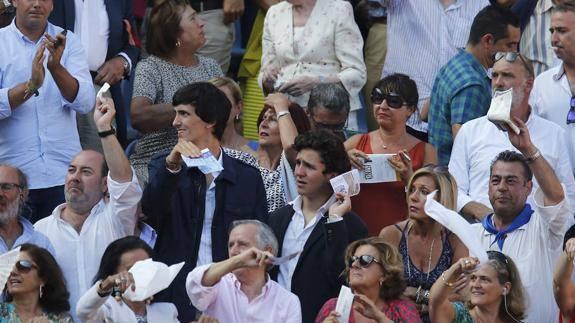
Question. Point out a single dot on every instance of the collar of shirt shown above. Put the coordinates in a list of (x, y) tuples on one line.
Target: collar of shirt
[(216, 174), (60, 208), (15, 29), (296, 204), (475, 64), (27, 226), (543, 6), (560, 73), (265, 288), (517, 224)]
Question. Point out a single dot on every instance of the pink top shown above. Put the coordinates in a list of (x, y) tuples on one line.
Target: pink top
[(398, 310), (228, 303)]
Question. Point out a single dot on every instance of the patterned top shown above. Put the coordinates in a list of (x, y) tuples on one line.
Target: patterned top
[(462, 314), (272, 179), (8, 315), (158, 80), (461, 92), (398, 310)]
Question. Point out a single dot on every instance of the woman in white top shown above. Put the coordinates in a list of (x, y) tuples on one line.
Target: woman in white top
[(99, 305)]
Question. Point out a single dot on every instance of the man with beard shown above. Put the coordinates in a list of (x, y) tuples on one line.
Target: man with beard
[(102, 194), (479, 140), (16, 230)]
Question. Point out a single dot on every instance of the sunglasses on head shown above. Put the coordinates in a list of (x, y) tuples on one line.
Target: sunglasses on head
[(25, 266), (393, 99), (364, 260), (571, 113), (512, 57)]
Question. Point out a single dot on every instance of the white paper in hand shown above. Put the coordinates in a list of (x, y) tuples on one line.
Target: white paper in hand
[(207, 163), (500, 110), (280, 260), (456, 224), (151, 277), (7, 262), (346, 183), (103, 90), (343, 305), (378, 170)]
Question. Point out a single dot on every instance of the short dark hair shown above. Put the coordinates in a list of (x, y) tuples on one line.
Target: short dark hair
[(492, 20), (164, 27), (210, 103), (332, 96), (328, 146), (297, 114), (54, 293), (402, 85), (565, 6), (509, 156), (113, 253)]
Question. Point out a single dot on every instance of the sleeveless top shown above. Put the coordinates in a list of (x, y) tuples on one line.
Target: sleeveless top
[(462, 315), (383, 204)]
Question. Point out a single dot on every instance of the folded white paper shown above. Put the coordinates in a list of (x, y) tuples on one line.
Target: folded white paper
[(500, 110), (456, 224), (377, 169), (150, 277), (7, 262), (280, 260), (346, 183), (343, 305), (207, 163), (103, 90)]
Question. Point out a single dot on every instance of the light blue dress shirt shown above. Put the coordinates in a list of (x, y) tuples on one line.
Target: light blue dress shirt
[(29, 235), (40, 136)]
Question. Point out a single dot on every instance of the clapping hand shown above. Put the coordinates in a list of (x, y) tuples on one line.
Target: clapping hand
[(56, 48), (38, 72)]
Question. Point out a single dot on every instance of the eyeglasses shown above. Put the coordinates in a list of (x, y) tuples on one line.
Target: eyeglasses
[(393, 99), (331, 127), (571, 113), (364, 260), (512, 57), (24, 266), (7, 187)]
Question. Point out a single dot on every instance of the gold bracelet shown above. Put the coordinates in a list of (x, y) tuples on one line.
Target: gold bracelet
[(445, 282)]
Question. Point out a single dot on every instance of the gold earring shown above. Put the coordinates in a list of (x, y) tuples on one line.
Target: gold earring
[(178, 43)]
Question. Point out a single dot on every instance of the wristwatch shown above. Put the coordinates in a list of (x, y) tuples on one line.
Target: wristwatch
[(126, 66), (104, 134)]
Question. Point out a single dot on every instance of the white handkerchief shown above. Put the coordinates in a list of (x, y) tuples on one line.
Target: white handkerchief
[(456, 224), (343, 305), (378, 170), (151, 277), (500, 110), (7, 262), (207, 163), (346, 183)]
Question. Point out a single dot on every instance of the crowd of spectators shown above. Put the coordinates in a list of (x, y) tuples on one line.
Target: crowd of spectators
[(123, 137)]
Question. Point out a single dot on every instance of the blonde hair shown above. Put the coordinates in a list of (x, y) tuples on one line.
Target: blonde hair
[(230, 84), (444, 181)]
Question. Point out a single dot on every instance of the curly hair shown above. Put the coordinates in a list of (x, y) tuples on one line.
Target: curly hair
[(54, 292), (329, 147), (391, 262)]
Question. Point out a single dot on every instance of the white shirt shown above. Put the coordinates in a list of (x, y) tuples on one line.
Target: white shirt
[(534, 248), (205, 250), (550, 99), (479, 141), (79, 254), (296, 236), (92, 308), (228, 303), (93, 26)]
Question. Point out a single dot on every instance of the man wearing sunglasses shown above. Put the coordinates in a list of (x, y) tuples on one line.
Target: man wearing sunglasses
[(328, 108), (15, 229), (479, 140), (553, 96), (462, 91)]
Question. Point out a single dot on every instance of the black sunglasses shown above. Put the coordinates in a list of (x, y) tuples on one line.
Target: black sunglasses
[(571, 113), (512, 57), (364, 260), (24, 266), (393, 99)]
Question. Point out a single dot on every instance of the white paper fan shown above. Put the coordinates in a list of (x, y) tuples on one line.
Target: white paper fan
[(7, 262)]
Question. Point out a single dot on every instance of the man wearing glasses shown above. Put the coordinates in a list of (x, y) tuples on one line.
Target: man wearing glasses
[(472, 153), (328, 108), (553, 96), (15, 229)]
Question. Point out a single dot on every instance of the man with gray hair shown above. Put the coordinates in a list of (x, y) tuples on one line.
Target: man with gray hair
[(239, 289), (15, 229), (328, 108)]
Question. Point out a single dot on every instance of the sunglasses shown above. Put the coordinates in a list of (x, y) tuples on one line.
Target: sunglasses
[(7, 187), (364, 260), (24, 266), (393, 99), (571, 113), (512, 57)]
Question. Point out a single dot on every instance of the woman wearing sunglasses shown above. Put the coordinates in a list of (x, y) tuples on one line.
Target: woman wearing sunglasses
[(427, 248), (375, 274), (496, 292), (104, 302), (36, 290), (394, 100)]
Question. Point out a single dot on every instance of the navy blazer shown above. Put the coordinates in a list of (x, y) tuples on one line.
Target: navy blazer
[(318, 274), (174, 205)]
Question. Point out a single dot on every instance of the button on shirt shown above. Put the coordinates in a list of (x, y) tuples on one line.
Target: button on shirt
[(228, 303), (40, 136), (29, 235), (79, 254), (534, 248), (472, 156), (550, 99), (296, 236)]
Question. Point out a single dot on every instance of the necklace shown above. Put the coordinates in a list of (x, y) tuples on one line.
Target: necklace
[(409, 258), (386, 146)]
